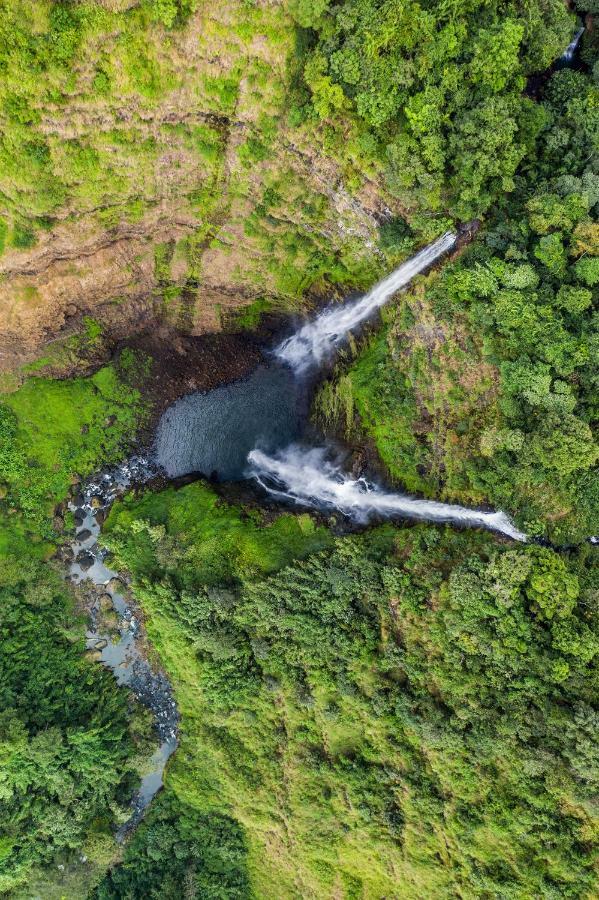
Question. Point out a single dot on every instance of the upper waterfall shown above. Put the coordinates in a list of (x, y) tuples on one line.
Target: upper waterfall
[(316, 340), (568, 54)]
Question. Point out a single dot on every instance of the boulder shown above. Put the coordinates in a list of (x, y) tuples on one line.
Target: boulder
[(85, 560), (115, 586)]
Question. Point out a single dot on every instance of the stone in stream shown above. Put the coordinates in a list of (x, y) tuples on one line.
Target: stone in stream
[(83, 535), (105, 602), (95, 502), (115, 586), (99, 645), (110, 620), (79, 517), (85, 560), (65, 553)]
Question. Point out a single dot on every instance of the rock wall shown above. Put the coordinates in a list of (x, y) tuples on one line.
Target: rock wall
[(174, 187)]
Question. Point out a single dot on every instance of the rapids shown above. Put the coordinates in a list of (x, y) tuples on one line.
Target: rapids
[(123, 651)]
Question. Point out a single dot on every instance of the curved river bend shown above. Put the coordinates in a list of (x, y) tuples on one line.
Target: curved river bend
[(252, 429)]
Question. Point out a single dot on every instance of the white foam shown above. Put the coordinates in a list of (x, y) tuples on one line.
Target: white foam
[(317, 339), (310, 478)]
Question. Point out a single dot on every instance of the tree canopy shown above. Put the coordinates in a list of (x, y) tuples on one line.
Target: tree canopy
[(438, 86)]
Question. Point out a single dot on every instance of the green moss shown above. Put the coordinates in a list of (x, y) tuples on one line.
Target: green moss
[(249, 316), (253, 151), (57, 429), (222, 91), (3, 235), (208, 142), (23, 237)]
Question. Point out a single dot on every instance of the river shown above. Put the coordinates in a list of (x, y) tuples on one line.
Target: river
[(123, 650)]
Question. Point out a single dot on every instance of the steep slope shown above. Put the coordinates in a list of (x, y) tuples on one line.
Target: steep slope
[(148, 171)]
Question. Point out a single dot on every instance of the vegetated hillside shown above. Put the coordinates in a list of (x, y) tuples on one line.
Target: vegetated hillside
[(406, 713), (482, 387), (180, 160), (437, 88)]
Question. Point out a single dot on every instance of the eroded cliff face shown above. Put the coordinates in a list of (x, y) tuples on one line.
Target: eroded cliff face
[(173, 188)]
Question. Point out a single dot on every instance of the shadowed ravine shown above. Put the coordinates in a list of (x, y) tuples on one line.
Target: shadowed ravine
[(257, 428)]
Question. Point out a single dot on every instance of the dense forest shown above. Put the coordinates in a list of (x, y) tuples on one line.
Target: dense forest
[(403, 711), (409, 707), (483, 384), (71, 744)]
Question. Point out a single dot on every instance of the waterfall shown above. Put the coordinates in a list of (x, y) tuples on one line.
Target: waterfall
[(316, 340), (568, 54), (308, 477)]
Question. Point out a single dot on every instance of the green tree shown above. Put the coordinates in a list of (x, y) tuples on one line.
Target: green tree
[(551, 252), (65, 749), (178, 852), (565, 444)]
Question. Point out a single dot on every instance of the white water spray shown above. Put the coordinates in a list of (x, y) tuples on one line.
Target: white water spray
[(310, 478), (568, 54), (316, 340)]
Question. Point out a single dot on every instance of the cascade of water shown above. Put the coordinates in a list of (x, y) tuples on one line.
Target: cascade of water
[(310, 478), (316, 340), (568, 54)]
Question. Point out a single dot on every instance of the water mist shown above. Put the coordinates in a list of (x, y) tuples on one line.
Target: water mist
[(309, 477), (315, 341)]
